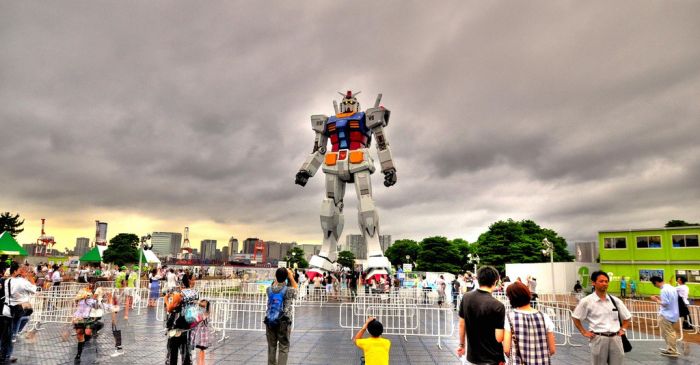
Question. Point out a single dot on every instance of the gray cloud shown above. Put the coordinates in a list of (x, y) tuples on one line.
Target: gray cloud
[(557, 112)]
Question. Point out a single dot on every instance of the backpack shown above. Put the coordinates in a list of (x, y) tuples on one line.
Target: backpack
[(275, 307)]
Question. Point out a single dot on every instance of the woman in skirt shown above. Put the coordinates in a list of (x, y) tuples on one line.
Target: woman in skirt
[(86, 319), (200, 333), (154, 287)]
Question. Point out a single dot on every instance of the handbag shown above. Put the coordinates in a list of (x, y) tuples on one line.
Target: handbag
[(626, 345)]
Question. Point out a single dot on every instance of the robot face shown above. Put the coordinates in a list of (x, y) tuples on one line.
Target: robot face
[(349, 104)]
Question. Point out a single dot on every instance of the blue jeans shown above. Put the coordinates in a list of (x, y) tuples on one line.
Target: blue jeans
[(18, 325)]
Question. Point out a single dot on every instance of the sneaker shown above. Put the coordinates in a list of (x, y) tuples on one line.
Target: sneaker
[(670, 354), (117, 353)]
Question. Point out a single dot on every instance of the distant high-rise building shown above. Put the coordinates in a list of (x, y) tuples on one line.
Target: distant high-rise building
[(218, 255), (225, 254), (310, 250), (233, 245), (208, 249), (586, 251), (82, 246), (166, 243), (276, 251), (355, 243), (249, 245), (101, 233)]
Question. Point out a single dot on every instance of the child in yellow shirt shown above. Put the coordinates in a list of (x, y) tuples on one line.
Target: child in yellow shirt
[(376, 348)]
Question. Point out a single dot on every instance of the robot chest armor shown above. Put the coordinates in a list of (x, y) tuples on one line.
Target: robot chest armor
[(348, 132)]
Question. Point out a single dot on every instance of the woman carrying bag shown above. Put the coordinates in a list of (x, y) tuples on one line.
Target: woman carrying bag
[(529, 333)]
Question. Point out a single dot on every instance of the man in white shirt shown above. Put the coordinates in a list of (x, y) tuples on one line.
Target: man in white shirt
[(56, 276), (171, 279), (603, 317), (683, 292)]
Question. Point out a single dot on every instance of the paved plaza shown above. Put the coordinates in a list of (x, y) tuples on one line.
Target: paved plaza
[(316, 339)]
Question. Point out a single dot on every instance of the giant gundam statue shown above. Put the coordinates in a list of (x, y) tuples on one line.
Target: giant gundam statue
[(350, 132)]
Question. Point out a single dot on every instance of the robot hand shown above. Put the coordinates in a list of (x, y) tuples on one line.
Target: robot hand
[(389, 177), (302, 177)]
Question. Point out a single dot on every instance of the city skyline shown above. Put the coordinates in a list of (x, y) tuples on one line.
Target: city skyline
[(153, 117)]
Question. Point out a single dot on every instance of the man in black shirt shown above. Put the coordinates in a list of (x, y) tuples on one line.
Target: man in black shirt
[(481, 318)]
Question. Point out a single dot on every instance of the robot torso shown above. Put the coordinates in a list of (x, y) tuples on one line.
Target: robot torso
[(348, 131)]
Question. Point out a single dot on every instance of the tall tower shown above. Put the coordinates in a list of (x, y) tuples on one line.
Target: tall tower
[(186, 250), (43, 242)]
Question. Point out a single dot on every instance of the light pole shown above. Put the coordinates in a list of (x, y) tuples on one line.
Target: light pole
[(143, 246), (549, 251), (474, 259)]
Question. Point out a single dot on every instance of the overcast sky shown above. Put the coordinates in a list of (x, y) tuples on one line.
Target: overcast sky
[(155, 115)]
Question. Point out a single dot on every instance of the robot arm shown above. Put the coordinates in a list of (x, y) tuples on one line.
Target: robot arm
[(377, 119), (315, 159)]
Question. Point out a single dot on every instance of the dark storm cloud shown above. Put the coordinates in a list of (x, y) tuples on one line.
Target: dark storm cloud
[(547, 111)]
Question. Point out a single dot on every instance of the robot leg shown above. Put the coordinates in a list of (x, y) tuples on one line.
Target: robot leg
[(332, 225), (377, 264)]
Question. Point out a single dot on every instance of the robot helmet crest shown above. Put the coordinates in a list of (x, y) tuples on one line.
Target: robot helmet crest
[(349, 104)]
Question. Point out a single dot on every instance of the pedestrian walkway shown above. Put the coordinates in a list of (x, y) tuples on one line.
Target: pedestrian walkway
[(316, 340)]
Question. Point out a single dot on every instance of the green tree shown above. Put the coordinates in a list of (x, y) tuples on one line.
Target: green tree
[(122, 249), (680, 223), (518, 242), (346, 259), (296, 256), (11, 223), (464, 248), (397, 252), (438, 254)]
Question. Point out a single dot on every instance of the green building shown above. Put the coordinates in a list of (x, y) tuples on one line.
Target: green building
[(638, 254)]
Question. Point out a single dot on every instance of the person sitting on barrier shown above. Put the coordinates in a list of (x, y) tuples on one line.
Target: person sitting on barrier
[(278, 317), (528, 333), (376, 348), (603, 312), (577, 287), (481, 319), (86, 319)]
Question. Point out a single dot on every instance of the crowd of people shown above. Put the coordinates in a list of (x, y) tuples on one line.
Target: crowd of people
[(523, 335)]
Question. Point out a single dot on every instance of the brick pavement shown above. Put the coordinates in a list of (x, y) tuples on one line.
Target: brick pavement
[(314, 341)]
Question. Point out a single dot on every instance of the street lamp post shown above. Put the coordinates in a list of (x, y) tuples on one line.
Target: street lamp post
[(549, 251), (475, 260), (143, 246)]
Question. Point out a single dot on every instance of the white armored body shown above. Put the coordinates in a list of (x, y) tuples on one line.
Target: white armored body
[(350, 132)]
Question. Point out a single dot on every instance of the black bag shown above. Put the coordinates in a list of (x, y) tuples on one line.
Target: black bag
[(626, 345), (682, 308), (117, 336)]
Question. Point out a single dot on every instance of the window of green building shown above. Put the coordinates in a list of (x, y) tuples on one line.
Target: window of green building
[(646, 274), (615, 243), (692, 276), (649, 242), (685, 240)]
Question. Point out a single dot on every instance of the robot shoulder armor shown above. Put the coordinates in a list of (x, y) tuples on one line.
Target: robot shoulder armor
[(318, 122), (376, 117)]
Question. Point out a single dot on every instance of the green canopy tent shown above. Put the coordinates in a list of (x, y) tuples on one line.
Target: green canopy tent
[(94, 255), (149, 257), (10, 247)]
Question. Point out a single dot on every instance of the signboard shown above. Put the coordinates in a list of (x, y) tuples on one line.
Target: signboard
[(281, 264), (407, 267)]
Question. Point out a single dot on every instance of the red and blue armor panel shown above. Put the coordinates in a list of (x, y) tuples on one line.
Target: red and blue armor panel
[(348, 131)]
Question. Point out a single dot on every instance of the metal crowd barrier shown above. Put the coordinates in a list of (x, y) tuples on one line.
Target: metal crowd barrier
[(400, 319)]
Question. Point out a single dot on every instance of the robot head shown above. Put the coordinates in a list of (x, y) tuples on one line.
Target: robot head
[(349, 104)]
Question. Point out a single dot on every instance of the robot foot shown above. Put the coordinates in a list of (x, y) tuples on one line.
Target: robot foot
[(377, 266), (318, 265)]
